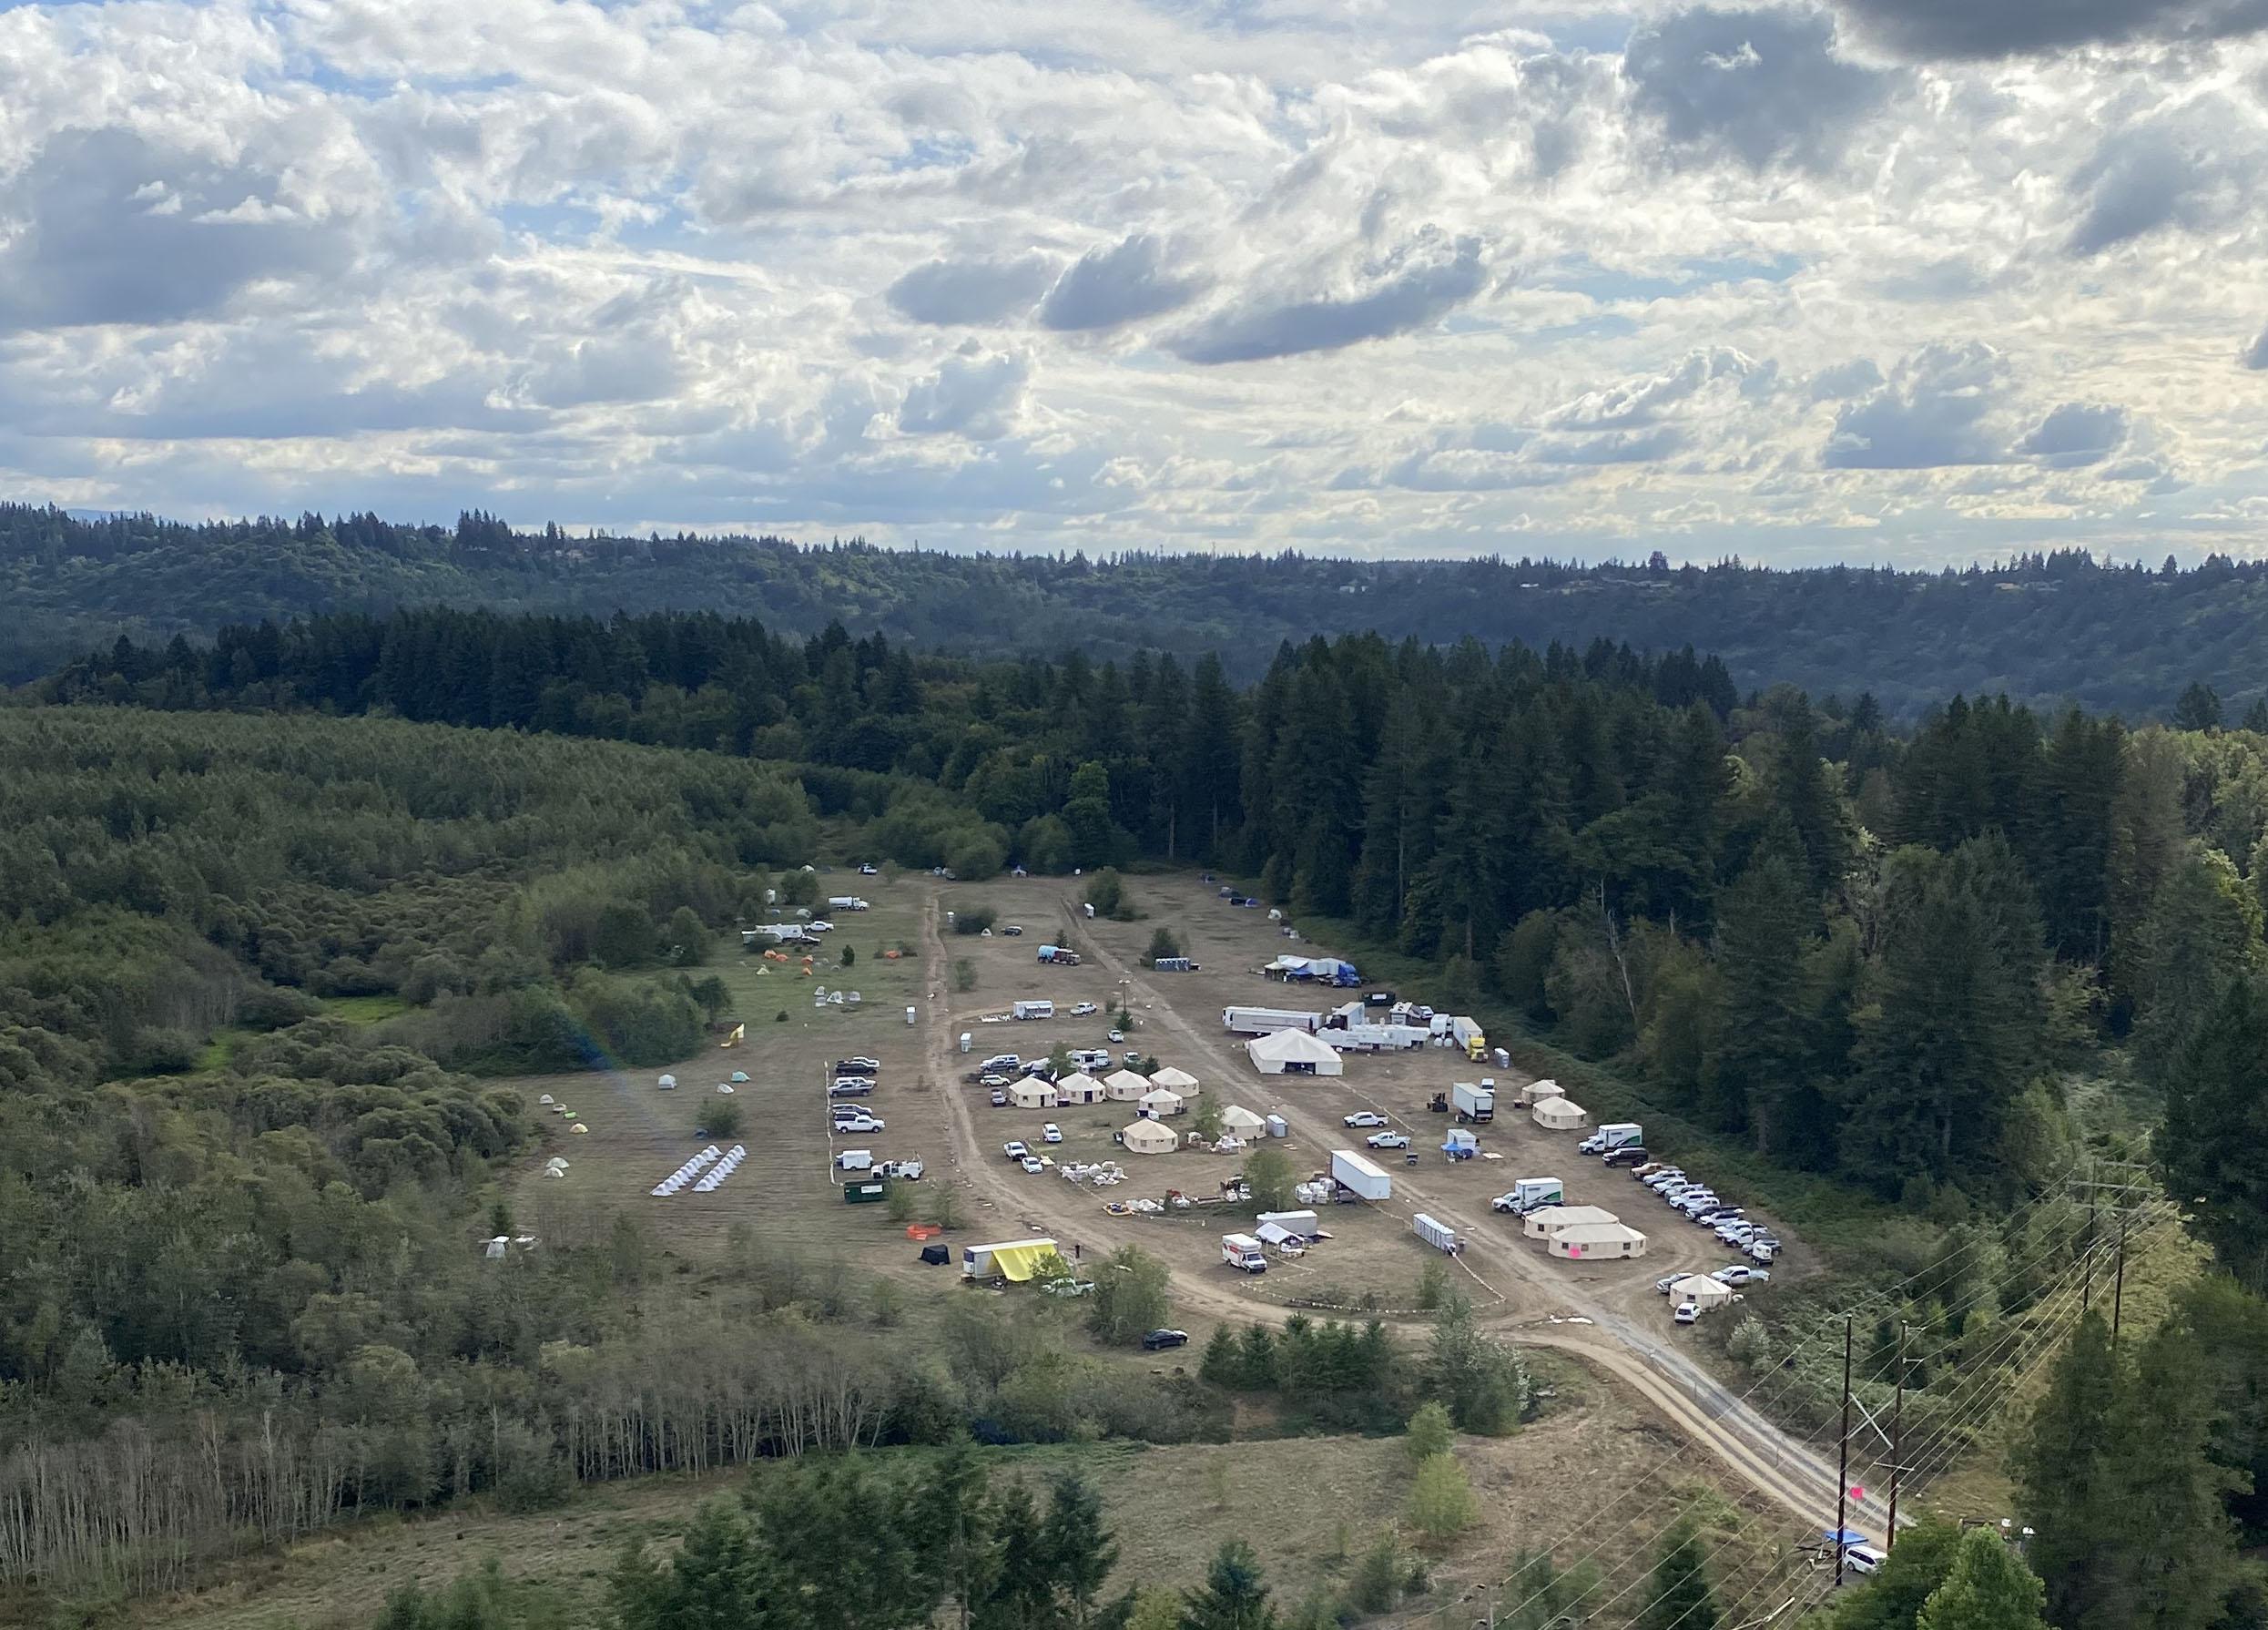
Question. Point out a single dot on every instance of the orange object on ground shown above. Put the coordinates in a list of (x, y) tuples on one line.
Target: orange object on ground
[(922, 1231)]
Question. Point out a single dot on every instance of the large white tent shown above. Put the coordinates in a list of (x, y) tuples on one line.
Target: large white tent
[(1158, 1101), (1125, 1085), (1032, 1092), (1180, 1081), (1701, 1291), (1292, 1053), (1559, 1114), (1597, 1240), (1543, 1223), (1236, 1118), (1147, 1137)]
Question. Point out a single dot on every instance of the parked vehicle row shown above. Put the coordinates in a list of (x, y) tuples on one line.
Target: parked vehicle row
[(1696, 1201)]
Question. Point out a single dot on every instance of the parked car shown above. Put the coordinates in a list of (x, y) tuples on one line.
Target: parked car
[(1665, 1281), (992, 1078), (1388, 1140), (1080, 1010), (1863, 1559), (1647, 1169), (1132, 1056), (1740, 1273), (1002, 1061), (1051, 1133), (1693, 1205), (1629, 1156), (910, 1170), (1000, 1097), (1032, 1164), (857, 1067), (1159, 1341), (1365, 1117), (1687, 1313), (850, 1086), (1764, 1250), (844, 1129), (1015, 1150), (869, 869), (1013, 930), (1117, 1035), (1711, 1216), (1662, 1180), (1068, 1287), (1736, 1232)]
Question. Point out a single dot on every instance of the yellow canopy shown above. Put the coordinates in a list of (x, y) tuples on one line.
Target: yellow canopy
[(738, 1030), (1018, 1262)]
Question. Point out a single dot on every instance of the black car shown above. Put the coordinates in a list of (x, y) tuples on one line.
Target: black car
[(1629, 1155), (1158, 1340)]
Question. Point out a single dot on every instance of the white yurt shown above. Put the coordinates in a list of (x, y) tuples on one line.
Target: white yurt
[(1158, 1101), (1700, 1290), (1173, 1080), (1548, 1220), (1147, 1137), (1535, 1092), (1596, 1240), (1559, 1114), (1125, 1085), (1079, 1087), (666, 1082), (1236, 1118), (1032, 1092)]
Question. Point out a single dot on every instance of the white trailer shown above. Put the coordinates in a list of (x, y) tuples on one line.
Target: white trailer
[(1033, 1010), (1473, 1102), (1439, 1236), (1241, 1252), (846, 902), (1268, 1021), (1374, 1038), (1363, 1178)]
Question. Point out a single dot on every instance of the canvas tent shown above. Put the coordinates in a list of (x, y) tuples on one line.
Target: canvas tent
[(1700, 1290), (1596, 1240), (1292, 1053), (1236, 1118), (1158, 1101), (1559, 1114), (1548, 1220), (1536, 1091), (1147, 1137), (1079, 1087), (1125, 1085), (1180, 1081), (1032, 1092)]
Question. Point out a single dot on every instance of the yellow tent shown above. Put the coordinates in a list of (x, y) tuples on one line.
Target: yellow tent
[(1018, 1262), (738, 1032)]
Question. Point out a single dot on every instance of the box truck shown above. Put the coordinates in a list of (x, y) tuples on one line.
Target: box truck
[(1242, 1251), (1365, 1179), (1268, 1021), (1033, 1010), (1060, 956), (846, 902), (1473, 1102), (1530, 1194), (1439, 1236), (1617, 1135)]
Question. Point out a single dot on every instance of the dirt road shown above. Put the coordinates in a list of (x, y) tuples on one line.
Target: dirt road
[(1694, 1402)]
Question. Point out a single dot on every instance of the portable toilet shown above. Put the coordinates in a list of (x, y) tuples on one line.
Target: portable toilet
[(1278, 1126), (909, 1018), (967, 1041)]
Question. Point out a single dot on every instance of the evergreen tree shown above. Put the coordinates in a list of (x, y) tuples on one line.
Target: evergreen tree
[(1988, 1588), (1235, 1595), (2199, 708), (1892, 1597), (2071, 1486), (1081, 1552), (1679, 1595), (2216, 1119), (1764, 921)]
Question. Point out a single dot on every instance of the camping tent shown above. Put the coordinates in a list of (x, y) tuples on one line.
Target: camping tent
[(1597, 1240), (935, 1254), (1032, 1092), (1180, 1081), (1700, 1290), (1079, 1087), (1158, 1101), (1125, 1085), (1548, 1220), (1559, 1114), (1147, 1137), (1536, 1091), (1236, 1118), (1292, 1053)]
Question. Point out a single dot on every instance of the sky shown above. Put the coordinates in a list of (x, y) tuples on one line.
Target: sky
[(1890, 281)]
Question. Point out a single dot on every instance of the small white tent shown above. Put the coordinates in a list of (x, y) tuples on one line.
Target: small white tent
[(1158, 1101), (1559, 1114), (1125, 1085), (1180, 1081), (1292, 1053), (1537, 1091), (1147, 1137), (1032, 1092), (1700, 1290), (1079, 1087), (1236, 1118)]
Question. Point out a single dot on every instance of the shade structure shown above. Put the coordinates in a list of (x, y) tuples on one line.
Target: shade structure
[(1292, 1053), (1147, 1137), (1180, 1081), (1127, 1086), (1559, 1114), (1158, 1101), (1236, 1118)]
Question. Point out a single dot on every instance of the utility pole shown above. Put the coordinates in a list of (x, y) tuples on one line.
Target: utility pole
[(1842, 1457), (1897, 1438), (2118, 1284), (2087, 1265)]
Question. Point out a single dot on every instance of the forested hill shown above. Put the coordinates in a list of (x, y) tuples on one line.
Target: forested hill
[(2043, 629)]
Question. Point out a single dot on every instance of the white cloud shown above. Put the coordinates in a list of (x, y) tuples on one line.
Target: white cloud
[(1757, 278)]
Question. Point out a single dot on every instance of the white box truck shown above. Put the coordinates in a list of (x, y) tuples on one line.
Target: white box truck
[(1439, 1236), (1242, 1251), (1616, 1134), (1473, 1102), (1033, 1010), (1530, 1194), (1268, 1021), (846, 902), (1364, 1179)]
